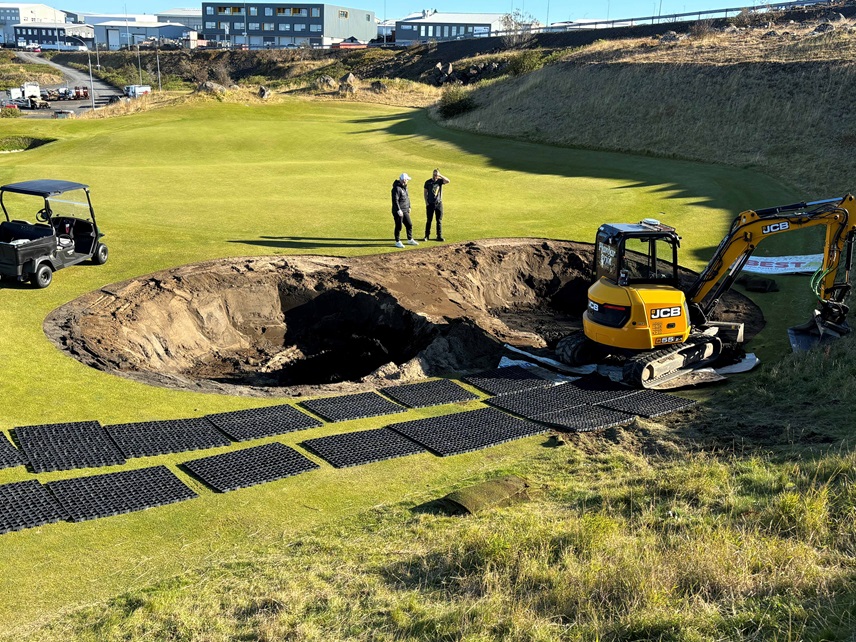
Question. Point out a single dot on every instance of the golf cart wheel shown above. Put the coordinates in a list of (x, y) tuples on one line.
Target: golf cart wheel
[(42, 277), (100, 256)]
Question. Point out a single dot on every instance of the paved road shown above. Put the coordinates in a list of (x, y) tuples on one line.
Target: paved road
[(73, 78)]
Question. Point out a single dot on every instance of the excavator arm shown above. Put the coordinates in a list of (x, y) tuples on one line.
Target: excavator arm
[(752, 227)]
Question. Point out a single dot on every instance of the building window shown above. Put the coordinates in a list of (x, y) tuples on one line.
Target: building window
[(430, 31), (268, 26), (284, 27), (469, 29), (315, 12), (300, 27), (282, 11), (445, 31), (254, 11), (223, 26), (254, 26), (239, 26), (343, 14), (368, 17), (300, 13), (314, 27), (209, 11), (210, 25), (268, 11), (422, 31)]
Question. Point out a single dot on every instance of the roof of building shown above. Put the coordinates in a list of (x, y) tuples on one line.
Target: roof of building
[(70, 26), (455, 18), (138, 24), (189, 13)]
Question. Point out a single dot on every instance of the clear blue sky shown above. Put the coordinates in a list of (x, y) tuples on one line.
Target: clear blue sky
[(558, 9)]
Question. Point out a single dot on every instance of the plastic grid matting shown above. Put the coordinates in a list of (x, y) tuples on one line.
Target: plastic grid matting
[(428, 393), (363, 447), (248, 467), (538, 401), (65, 446), (597, 389), (649, 403), (9, 455), (116, 493), (503, 381), (585, 418), (27, 504), (466, 431), (346, 407), (255, 423), (149, 438)]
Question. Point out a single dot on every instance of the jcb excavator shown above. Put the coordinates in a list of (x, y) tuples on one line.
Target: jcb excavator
[(636, 309)]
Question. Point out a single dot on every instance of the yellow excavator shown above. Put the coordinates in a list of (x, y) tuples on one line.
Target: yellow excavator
[(637, 310)]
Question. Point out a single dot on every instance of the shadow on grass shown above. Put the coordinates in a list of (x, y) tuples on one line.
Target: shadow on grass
[(313, 243)]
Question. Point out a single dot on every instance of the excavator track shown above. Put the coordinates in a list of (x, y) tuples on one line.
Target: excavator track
[(650, 369)]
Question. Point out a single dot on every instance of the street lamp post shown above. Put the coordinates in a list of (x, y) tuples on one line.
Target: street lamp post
[(89, 57)]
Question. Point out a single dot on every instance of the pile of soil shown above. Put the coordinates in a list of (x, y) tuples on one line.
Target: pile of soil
[(289, 326)]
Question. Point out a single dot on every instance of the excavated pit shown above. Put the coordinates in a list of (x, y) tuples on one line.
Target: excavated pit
[(295, 325)]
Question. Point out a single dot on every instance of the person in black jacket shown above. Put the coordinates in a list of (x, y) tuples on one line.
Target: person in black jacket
[(401, 210), (434, 203)]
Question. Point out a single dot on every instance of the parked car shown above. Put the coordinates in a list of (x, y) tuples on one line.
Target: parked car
[(34, 251)]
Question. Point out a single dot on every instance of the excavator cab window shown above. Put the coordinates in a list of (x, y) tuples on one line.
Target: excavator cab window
[(627, 257)]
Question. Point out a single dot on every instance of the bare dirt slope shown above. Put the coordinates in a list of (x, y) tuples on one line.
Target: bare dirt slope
[(293, 325)]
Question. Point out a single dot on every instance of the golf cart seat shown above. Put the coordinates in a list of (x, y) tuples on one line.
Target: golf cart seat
[(18, 230)]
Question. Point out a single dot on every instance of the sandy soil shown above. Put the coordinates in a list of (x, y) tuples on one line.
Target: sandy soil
[(289, 326)]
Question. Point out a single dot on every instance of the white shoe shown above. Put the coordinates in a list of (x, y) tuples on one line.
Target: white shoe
[(399, 244), (412, 242)]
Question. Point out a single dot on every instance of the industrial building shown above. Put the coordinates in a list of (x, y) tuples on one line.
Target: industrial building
[(434, 25), (274, 25), (24, 14)]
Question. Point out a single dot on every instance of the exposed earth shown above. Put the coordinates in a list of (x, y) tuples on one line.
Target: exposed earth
[(288, 326)]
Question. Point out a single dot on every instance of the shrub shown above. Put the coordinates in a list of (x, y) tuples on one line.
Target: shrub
[(524, 62), (456, 101), (9, 112)]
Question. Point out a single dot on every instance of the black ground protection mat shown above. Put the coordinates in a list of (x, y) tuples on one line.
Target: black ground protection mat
[(598, 389), (363, 447), (649, 403), (149, 438), (116, 493), (538, 401), (9, 455), (249, 466), (255, 423), (585, 418), (503, 381), (82, 444), (345, 407), (428, 393), (466, 431), (27, 504)]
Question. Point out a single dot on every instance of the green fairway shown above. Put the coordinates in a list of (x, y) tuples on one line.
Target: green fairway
[(211, 180)]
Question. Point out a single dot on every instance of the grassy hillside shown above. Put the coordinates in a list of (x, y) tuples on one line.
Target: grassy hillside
[(776, 104)]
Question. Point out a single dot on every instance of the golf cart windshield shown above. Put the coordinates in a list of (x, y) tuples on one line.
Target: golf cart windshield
[(58, 198)]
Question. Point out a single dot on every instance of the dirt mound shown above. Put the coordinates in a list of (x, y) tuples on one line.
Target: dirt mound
[(288, 326)]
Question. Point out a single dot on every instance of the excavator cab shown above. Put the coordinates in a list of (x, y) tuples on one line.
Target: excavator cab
[(634, 303)]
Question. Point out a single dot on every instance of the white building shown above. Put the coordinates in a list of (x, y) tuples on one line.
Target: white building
[(115, 34), (191, 18), (434, 25), (24, 13)]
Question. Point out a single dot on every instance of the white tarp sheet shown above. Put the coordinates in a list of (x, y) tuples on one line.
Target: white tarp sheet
[(784, 264)]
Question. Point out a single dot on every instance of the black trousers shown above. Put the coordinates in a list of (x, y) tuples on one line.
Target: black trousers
[(408, 225), (430, 212)]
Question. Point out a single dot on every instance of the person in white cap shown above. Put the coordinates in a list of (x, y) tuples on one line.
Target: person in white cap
[(401, 210)]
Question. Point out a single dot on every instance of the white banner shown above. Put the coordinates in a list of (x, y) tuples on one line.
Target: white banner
[(784, 264)]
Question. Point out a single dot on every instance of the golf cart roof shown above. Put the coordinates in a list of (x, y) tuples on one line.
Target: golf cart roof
[(43, 188)]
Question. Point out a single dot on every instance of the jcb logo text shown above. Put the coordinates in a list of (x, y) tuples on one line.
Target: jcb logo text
[(775, 227), (665, 313), (594, 307)]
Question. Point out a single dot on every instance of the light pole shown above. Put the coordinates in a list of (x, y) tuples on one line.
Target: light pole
[(89, 57)]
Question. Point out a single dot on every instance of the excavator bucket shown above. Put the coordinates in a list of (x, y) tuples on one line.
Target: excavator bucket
[(815, 332)]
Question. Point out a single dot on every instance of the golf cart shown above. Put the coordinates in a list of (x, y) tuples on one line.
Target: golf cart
[(34, 251)]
